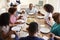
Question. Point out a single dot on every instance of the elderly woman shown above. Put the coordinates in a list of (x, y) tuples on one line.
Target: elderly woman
[(56, 27)]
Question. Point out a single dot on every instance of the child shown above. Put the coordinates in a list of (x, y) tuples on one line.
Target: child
[(49, 9)]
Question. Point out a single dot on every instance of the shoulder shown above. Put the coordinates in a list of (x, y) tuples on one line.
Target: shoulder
[(34, 9), (29, 38), (27, 8), (39, 38), (57, 25), (22, 38), (12, 16)]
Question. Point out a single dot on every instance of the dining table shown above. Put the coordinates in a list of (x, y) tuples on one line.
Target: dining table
[(43, 29)]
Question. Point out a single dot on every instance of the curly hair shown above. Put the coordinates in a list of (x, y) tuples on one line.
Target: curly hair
[(49, 8)]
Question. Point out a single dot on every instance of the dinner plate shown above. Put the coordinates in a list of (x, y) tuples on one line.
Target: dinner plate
[(16, 28), (23, 34), (30, 13), (21, 21), (44, 30), (40, 16), (42, 25)]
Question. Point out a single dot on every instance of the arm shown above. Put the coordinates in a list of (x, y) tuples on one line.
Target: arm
[(57, 37), (54, 36), (40, 13)]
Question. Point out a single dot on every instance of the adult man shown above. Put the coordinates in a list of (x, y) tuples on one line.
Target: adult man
[(31, 9)]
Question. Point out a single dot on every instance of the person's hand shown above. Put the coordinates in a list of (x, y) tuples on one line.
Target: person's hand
[(52, 35), (47, 24), (49, 18)]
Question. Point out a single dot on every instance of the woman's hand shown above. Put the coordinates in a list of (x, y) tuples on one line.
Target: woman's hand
[(57, 37), (54, 36)]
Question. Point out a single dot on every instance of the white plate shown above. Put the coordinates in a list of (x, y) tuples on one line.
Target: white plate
[(30, 13), (16, 28), (21, 21), (42, 25), (23, 34), (40, 16), (44, 30)]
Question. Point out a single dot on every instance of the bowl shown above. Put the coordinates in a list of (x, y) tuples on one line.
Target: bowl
[(30, 13), (16, 28), (44, 30), (40, 16)]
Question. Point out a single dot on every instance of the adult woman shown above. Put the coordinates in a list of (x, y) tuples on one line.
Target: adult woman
[(56, 27)]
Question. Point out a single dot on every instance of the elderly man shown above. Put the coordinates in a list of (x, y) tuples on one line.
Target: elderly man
[(31, 9)]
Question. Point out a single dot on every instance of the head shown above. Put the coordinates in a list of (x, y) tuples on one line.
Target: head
[(33, 28), (12, 10), (4, 19), (23, 12), (48, 8), (56, 17), (15, 6), (30, 6)]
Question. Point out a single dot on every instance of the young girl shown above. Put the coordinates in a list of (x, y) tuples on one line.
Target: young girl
[(49, 9), (13, 18)]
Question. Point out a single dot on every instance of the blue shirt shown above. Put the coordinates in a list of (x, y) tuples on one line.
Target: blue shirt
[(30, 38)]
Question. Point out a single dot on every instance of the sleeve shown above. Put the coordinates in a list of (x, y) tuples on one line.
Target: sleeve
[(26, 10), (47, 19), (36, 10), (12, 19), (58, 31)]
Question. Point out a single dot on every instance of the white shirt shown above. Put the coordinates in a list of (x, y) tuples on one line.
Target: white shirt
[(34, 10), (47, 15), (24, 16)]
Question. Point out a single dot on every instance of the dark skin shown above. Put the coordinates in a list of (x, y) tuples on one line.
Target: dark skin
[(40, 14), (30, 6)]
